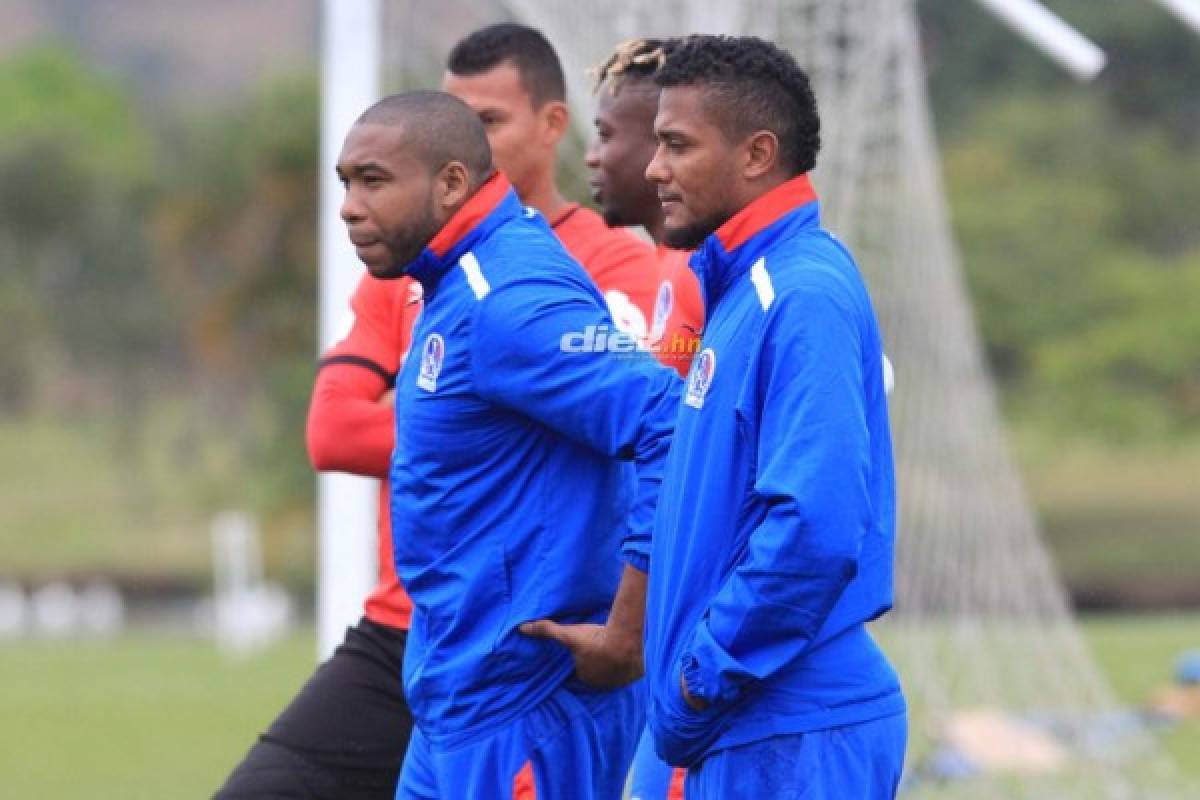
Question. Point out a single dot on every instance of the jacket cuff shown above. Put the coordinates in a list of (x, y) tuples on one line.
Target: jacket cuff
[(636, 559), (707, 668)]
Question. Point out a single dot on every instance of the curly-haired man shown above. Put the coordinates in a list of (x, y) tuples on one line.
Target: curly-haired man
[(774, 536)]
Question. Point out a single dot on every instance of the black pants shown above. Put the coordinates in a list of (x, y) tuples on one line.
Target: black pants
[(343, 736)]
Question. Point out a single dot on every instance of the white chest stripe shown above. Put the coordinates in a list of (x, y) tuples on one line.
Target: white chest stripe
[(475, 279), (762, 283)]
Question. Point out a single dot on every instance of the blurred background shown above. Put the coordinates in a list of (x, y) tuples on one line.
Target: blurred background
[(158, 207)]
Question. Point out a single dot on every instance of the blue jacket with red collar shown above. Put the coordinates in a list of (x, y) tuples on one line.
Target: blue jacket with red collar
[(773, 542), (527, 463)]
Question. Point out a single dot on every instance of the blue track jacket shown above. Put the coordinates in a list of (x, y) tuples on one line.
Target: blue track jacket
[(773, 542), (527, 464)]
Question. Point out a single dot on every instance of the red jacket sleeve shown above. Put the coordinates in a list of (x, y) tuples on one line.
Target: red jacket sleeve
[(349, 430)]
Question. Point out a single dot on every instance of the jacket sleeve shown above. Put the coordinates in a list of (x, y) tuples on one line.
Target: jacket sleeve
[(812, 465), (348, 429), (531, 352)]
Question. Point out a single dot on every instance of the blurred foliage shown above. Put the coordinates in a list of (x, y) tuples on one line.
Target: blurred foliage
[(75, 176), (158, 277), (158, 268), (1074, 206), (1149, 81), (235, 242)]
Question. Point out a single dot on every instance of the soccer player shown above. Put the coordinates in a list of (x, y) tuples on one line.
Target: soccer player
[(511, 76), (773, 541), (507, 471), (345, 733), (626, 102)]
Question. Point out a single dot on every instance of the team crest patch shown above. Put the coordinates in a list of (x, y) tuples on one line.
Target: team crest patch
[(432, 355), (701, 378), (662, 309)]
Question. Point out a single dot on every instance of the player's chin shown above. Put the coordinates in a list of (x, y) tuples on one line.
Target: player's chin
[(384, 270), (683, 235), (613, 217)]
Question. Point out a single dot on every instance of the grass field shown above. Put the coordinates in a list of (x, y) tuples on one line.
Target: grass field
[(135, 718), (164, 718), (1138, 655), (1121, 523), (137, 512)]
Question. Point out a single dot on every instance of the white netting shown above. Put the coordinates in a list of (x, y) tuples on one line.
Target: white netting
[(1006, 701)]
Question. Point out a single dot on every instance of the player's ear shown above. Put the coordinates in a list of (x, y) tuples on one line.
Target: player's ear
[(760, 154), (556, 118), (452, 186)]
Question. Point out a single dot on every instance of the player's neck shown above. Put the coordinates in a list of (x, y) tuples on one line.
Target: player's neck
[(543, 195)]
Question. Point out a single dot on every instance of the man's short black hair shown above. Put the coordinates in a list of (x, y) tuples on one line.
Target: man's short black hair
[(438, 127), (751, 85), (525, 48)]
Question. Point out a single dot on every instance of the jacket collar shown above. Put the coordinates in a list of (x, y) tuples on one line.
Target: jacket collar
[(733, 248), (493, 203)]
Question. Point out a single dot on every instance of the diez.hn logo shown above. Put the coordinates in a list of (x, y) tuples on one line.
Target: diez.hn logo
[(598, 339), (607, 339)]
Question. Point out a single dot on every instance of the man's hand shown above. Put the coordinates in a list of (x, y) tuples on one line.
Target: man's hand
[(604, 658), (696, 703)]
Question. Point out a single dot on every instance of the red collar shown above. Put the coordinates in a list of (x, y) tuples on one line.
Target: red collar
[(565, 215), (764, 210), (480, 204)]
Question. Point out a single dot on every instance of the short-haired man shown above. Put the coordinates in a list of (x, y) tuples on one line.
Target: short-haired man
[(507, 470), (626, 102), (511, 76), (773, 542), (345, 733), (620, 151)]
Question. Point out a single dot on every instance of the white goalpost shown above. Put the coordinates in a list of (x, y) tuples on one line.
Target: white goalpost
[(346, 507)]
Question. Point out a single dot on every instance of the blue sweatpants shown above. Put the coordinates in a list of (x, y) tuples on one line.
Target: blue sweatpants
[(651, 778), (577, 744), (862, 762)]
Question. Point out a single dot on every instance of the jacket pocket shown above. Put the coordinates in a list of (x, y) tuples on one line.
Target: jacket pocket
[(682, 734)]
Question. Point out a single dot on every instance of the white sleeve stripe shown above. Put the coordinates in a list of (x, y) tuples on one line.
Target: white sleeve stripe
[(478, 283), (762, 283)]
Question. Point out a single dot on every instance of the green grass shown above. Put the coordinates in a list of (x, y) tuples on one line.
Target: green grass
[(74, 499), (164, 718), (140, 717), (1138, 655)]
